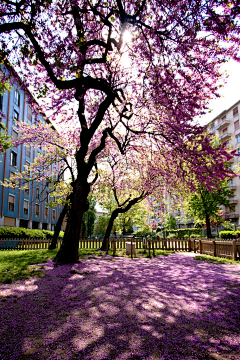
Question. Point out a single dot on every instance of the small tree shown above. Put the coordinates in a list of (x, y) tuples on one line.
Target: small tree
[(204, 204)]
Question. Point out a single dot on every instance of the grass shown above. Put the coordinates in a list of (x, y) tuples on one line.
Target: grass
[(215, 260), (14, 264)]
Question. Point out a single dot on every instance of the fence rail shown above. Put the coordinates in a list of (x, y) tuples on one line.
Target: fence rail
[(222, 248)]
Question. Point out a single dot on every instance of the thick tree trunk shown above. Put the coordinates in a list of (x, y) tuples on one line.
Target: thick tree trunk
[(109, 229), (68, 252), (58, 227), (209, 234)]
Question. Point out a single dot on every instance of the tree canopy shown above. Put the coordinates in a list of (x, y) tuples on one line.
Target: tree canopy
[(133, 72)]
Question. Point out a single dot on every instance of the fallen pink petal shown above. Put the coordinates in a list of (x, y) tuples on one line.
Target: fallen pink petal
[(173, 308)]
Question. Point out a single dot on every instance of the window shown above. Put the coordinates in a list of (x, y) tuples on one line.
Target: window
[(17, 98), (224, 130), (37, 210), (29, 113), (13, 159), (1, 102), (12, 174), (11, 202), (47, 194), (37, 193), (46, 213), (54, 215), (235, 111), (27, 167), (25, 207), (233, 209), (224, 118), (236, 125), (230, 183), (213, 128), (238, 150), (238, 139), (15, 115), (26, 190), (28, 151), (14, 135)]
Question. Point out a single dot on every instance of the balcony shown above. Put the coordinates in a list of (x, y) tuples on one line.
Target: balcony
[(232, 215), (232, 187), (225, 136), (237, 132), (233, 201), (223, 124)]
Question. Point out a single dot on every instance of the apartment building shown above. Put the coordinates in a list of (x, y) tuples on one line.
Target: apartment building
[(25, 208), (227, 126)]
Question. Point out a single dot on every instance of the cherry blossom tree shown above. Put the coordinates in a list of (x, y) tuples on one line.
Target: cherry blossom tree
[(125, 70)]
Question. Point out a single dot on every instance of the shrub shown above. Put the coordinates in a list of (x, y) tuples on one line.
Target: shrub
[(195, 236), (22, 233), (184, 233), (228, 234)]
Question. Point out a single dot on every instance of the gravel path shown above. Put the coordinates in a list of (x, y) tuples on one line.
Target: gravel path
[(166, 308)]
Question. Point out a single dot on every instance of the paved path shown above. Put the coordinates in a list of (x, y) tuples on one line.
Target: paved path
[(170, 308)]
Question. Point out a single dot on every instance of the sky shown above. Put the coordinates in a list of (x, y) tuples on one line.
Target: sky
[(230, 93)]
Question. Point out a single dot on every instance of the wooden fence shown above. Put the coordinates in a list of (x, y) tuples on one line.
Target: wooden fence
[(222, 248)]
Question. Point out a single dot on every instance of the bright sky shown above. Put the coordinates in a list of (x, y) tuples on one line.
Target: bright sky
[(230, 93)]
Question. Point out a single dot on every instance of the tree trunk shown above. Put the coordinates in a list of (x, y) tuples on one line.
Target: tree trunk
[(58, 227), (68, 252), (209, 234), (109, 229)]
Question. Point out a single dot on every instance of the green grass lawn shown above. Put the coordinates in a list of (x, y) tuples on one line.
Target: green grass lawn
[(16, 264), (216, 260)]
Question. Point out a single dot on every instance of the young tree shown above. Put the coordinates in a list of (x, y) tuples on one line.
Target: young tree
[(204, 204), (134, 70), (88, 219)]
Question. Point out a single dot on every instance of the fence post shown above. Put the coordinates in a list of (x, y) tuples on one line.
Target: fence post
[(214, 248), (194, 248), (200, 246), (149, 245), (189, 245), (234, 249), (153, 247)]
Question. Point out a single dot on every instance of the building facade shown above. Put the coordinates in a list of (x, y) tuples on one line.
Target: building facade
[(227, 126), (22, 208)]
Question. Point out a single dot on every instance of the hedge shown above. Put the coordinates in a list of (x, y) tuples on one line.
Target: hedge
[(183, 233), (228, 234), (22, 233)]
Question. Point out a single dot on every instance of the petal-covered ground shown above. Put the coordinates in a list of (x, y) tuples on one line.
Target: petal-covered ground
[(164, 308)]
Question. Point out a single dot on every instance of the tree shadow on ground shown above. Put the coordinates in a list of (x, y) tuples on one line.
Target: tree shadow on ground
[(164, 308)]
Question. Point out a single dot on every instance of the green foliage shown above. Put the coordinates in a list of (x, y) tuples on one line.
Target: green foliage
[(5, 139), (228, 234), (88, 219), (171, 223), (182, 233), (143, 231), (195, 236), (205, 203), (101, 225), (228, 225), (22, 233)]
